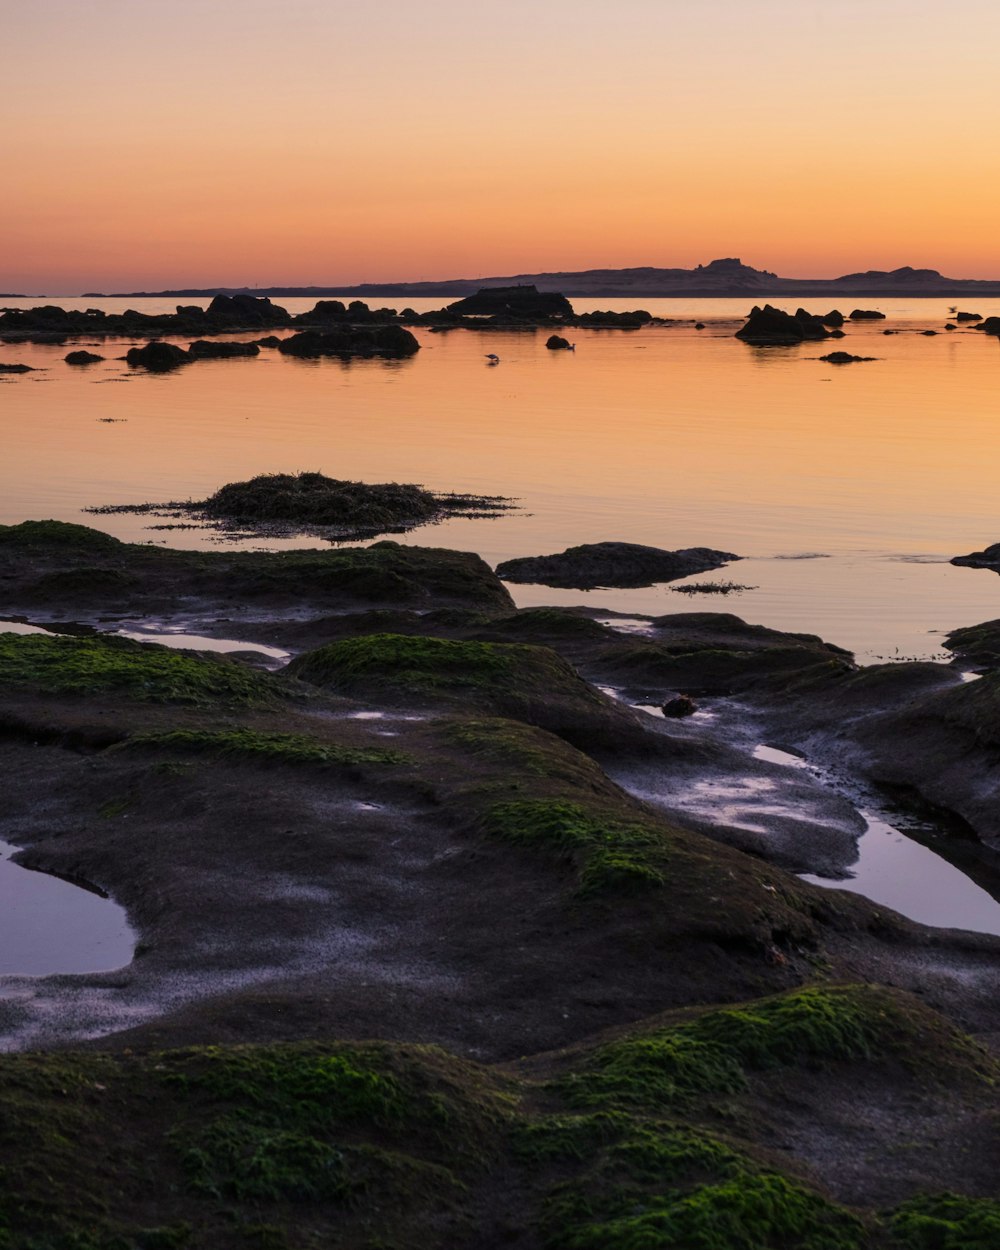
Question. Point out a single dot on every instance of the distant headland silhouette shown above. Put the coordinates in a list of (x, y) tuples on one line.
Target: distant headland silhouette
[(727, 277)]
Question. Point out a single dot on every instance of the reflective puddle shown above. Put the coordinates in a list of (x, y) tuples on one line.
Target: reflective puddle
[(48, 925)]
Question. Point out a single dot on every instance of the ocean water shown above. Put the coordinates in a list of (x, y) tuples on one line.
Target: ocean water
[(846, 488)]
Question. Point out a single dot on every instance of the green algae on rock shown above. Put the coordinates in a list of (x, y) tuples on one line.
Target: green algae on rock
[(315, 503), (87, 667), (518, 680)]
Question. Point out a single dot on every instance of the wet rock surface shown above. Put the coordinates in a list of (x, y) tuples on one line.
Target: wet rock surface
[(569, 925), (613, 564)]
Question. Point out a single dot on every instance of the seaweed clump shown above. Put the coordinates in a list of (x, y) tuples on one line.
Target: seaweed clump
[(310, 502)]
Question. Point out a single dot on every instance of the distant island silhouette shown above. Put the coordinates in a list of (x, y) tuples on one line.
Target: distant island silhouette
[(727, 277)]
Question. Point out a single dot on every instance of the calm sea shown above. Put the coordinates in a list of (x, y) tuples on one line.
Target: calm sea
[(846, 488)]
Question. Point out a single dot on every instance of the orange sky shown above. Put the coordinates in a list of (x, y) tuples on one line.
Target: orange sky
[(150, 144)]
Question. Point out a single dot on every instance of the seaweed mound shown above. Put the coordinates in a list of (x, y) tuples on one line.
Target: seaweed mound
[(314, 499)]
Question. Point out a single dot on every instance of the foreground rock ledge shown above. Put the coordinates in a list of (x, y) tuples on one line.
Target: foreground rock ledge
[(595, 1027)]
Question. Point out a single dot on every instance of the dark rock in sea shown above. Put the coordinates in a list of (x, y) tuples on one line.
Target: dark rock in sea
[(271, 340), (773, 327), (680, 706), (989, 558), (613, 564), (335, 312), (82, 358), (16, 369), (929, 333), (699, 325), (247, 310), (867, 314), (833, 318), (211, 349), (889, 331), (390, 341), (519, 301), (190, 310), (967, 316), (837, 334), (990, 326), (158, 357), (843, 358), (949, 326), (556, 343)]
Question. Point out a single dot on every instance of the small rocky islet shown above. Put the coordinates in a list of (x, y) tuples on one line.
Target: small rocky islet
[(418, 964)]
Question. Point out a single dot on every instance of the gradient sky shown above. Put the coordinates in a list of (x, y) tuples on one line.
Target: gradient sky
[(156, 143)]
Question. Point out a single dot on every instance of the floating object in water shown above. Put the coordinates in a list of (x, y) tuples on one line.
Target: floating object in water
[(493, 358)]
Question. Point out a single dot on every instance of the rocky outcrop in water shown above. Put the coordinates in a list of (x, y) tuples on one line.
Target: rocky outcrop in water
[(989, 558), (613, 564), (773, 327), (82, 358), (867, 314), (843, 358), (390, 341), (556, 343), (158, 357)]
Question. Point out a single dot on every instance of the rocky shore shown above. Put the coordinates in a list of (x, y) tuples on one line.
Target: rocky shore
[(435, 945)]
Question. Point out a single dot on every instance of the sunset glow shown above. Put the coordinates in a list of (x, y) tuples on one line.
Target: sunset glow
[(326, 142)]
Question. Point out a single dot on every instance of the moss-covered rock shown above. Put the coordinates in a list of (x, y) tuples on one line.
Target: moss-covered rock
[(524, 682), (88, 667)]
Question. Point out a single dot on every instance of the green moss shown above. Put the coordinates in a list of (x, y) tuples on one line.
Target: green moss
[(946, 1222), (561, 1137), (608, 852), (308, 1088), (745, 1213), (529, 751), (251, 744), (238, 1158), (546, 623), (715, 1053), (414, 663), (104, 666), (57, 535)]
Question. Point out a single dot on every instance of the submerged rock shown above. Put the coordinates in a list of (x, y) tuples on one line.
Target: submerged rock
[(843, 358), (680, 706), (16, 368), (82, 358), (613, 564), (867, 314)]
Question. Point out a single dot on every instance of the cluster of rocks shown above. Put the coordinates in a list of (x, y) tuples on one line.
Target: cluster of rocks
[(387, 341), (518, 307), (773, 327)]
